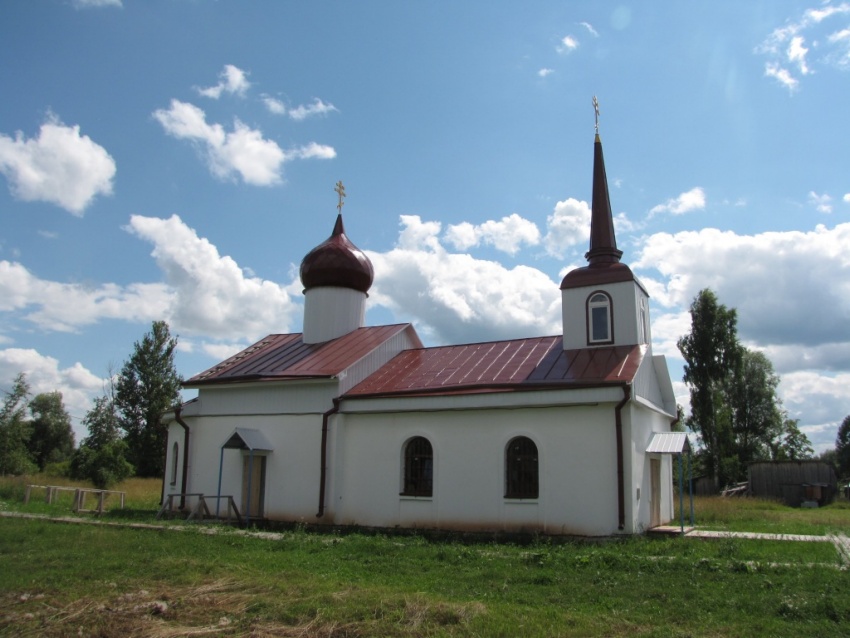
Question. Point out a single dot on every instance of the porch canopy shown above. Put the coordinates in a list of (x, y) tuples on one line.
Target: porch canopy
[(255, 442), (675, 443)]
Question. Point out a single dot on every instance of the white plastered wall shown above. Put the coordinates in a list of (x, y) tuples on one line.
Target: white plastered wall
[(577, 466)]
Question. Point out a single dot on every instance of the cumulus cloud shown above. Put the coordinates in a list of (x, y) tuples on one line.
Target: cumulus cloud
[(459, 299), (545, 72), (274, 105), (243, 151), (66, 307), (788, 287), (568, 44), (693, 199), (77, 384), (508, 234), (302, 112), (59, 166), (786, 47), (568, 225), (822, 203), (232, 80), (210, 293)]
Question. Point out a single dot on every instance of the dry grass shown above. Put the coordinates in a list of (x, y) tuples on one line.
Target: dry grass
[(220, 608)]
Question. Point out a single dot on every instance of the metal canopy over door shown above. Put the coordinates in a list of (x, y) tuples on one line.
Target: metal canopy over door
[(255, 447)]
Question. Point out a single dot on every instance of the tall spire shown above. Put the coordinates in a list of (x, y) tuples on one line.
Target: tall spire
[(603, 244)]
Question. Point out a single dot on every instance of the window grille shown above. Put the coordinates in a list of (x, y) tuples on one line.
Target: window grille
[(418, 468), (521, 471)]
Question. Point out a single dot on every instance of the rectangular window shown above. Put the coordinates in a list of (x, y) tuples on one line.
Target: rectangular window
[(599, 323)]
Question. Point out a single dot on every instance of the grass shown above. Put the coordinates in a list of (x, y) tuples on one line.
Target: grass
[(63, 579)]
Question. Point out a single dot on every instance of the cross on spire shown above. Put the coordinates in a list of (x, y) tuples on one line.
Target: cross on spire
[(596, 110), (340, 190)]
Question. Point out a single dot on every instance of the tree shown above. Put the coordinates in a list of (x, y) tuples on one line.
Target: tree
[(147, 386), (15, 430), (792, 444), (842, 447), (102, 455), (757, 419), (52, 438), (712, 357)]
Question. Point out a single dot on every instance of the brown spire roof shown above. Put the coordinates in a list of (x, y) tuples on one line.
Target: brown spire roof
[(337, 262), (603, 244), (603, 258)]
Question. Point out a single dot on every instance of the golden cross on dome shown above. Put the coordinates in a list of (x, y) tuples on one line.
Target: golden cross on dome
[(596, 110), (340, 190)]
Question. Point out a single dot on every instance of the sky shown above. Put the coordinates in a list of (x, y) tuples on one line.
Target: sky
[(176, 159)]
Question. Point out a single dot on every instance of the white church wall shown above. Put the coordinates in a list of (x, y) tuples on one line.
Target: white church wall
[(287, 397), (577, 464), (643, 421)]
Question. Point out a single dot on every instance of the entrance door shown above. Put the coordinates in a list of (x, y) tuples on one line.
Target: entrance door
[(253, 476), (655, 488)]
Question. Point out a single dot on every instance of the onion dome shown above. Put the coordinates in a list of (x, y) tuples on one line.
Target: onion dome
[(337, 262)]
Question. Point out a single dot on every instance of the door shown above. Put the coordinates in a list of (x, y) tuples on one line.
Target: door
[(253, 479), (655, 489)]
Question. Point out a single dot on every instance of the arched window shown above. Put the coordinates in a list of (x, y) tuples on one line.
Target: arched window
[(174, 454), (418, 467), (521, 474), (599, 318)]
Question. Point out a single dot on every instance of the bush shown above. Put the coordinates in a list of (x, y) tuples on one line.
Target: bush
[(61, 469), (103, 467)]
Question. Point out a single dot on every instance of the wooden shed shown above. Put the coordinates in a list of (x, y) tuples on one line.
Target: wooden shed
[(794, 482)]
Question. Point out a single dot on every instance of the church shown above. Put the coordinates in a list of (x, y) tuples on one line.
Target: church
[(347, 424)]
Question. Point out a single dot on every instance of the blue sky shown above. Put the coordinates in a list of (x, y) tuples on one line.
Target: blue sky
[(176, 159)]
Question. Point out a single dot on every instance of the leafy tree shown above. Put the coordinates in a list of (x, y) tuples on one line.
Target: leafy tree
[(757, 418), (147, 386), (842, 447), (15, 430), (52, 438), (102, 456), (712, 357), (791, 444)]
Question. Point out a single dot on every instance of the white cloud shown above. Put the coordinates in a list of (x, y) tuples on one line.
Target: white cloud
[(233, 80), (820, 202), (781, 75), (244, 151), (790, 288), (846, 197), (77, 384), (691, 200), (507, 235), (545, 72), (65, 307), (274, 105), (210, 294), (568, 44), (318, 107), (786, 45), (59, 166), (88, 4), (568, 225), (590, 29), (459, 299)]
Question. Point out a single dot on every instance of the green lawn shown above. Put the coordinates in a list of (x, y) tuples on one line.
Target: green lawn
[(59, 579)]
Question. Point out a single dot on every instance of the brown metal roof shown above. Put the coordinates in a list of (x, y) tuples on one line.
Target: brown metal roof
[(500, 365), (589, 366), (287, 356)]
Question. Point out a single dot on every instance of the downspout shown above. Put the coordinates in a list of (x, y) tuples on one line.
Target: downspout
[(621, 485), (324, 456), (185, 477)]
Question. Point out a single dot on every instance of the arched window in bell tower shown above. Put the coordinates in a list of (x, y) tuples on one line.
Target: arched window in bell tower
[(599, 327)]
